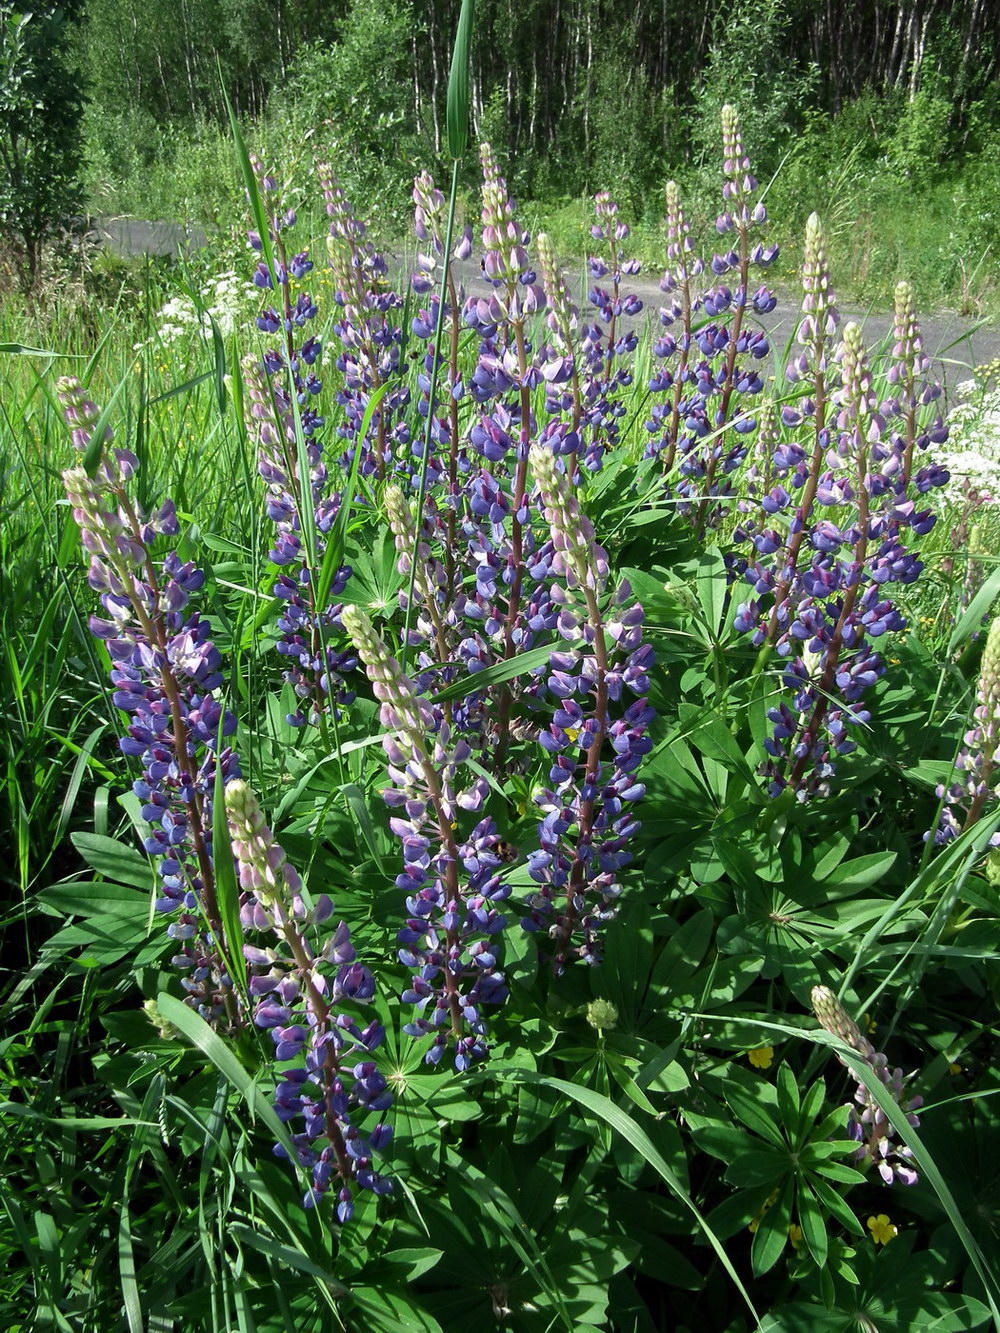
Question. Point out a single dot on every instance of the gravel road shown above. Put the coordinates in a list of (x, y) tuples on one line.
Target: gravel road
[(954, 342)]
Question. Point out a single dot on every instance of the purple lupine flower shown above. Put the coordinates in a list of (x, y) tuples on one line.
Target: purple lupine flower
[(792, 464), (429, 225), (606, 350), (700, 429), (369, 339), (841, 603), (437, 632), (677, 282), (317, 662), (727, 376), (978, 784), (867, 1123), (830, 525), (304, 999), (559, 367), (165, 673), (588, 808), (908, 376), (452, 882), (843, 607), (283, 389), (508, 369), (505, 264)]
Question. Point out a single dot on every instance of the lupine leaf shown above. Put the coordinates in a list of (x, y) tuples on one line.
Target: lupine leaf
[(199, 1034), (118, 862), (633, 1133), (906, 1132)]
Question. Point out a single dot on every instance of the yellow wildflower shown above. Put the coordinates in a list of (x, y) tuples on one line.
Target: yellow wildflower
[(795, 1235), (882, 1229), (756, 1220), (762, 1057)]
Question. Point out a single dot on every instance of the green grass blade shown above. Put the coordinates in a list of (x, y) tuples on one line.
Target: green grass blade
[(971, 618), (457, 114), (252, 189), (192, 1026), (494, 675), (126, 1273)]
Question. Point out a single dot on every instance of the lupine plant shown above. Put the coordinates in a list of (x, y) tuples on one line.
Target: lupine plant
[(165, 673), (976, 788), (298, 996), (867, 1123), (612, 745)]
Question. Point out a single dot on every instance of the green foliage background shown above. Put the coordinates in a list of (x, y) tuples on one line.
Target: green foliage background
[(639, 1174), (887, 111)]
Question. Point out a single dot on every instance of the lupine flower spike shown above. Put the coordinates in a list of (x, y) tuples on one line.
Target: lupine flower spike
[(677, 282), (700, 430), (285, 423), (977, 760), (588, 819), (165, 670), (369, 338), (907, 376), (867, 1123), (450, 935), (304, 1000), (853, 519)]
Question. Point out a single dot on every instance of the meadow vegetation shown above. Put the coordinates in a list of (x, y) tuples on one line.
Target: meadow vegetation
[(501, 784)]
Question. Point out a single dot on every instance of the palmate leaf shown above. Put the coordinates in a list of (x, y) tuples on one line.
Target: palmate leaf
[(906, 1132), (713, 584), (118, 862), (630, 1130)]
